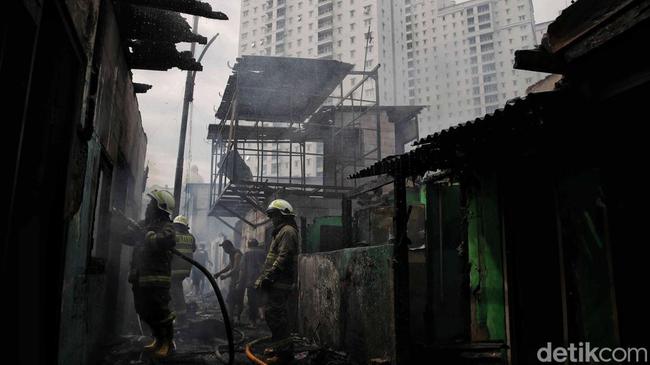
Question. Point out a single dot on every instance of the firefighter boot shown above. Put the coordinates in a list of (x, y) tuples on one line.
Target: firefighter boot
[(167, 345), (153, 345)]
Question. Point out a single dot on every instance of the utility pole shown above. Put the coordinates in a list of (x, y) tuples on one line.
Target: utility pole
[(187, 99)]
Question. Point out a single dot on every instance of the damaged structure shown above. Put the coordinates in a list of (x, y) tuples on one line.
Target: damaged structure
[(77, 155)]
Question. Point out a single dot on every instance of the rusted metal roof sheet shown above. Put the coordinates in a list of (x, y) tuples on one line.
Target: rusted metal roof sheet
[(451, 147), (280, 88)]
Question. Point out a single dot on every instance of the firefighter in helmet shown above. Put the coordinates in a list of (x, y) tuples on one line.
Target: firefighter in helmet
[(277, 279), (150, 274)]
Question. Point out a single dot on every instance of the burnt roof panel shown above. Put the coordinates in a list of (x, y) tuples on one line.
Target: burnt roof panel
[(280, 88)]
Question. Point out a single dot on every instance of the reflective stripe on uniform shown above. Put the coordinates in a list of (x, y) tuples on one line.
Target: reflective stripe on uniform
[(184, 250), (154, 279), (181, 272)]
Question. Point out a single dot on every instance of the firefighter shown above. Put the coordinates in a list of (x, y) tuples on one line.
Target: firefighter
[(185, 244), (277, 278), (150, 274)]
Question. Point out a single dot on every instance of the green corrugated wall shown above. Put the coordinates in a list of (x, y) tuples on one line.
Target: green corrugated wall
[(485, 258)]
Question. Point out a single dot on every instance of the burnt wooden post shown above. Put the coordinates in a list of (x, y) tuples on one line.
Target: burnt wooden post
[(401, 271), (346, 217), (433, 215)]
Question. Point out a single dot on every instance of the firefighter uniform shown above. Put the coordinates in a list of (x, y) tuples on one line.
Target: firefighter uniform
[(150, 277), (185, 244), (278, 274)]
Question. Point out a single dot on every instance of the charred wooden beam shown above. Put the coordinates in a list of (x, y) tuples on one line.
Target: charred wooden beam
[(142, 23), (141, 88), (191, 7), (538, 60), (160, 56)]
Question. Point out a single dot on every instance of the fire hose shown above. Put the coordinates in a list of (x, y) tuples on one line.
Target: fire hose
[(222, 305)]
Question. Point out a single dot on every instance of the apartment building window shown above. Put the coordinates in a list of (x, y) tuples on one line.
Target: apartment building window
[(484, 18), (352, 26), (471, 40), (489, 67), (351, 13), (485, 37), (470, 21), (245, 13), (490, 99), (490, 88), (487, 57), (483, 8), (470, 12), (487, 47), (352, 40)]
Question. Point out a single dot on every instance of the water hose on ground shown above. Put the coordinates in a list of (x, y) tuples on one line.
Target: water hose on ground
[(249, 353), (222, 305)]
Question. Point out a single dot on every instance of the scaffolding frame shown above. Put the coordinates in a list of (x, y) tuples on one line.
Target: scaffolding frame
[(287, 143)]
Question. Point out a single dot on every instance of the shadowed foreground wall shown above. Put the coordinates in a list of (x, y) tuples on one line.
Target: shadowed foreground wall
[(346, 300)]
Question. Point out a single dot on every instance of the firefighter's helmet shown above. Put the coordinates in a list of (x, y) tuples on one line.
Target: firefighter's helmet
[(280, 205), (181, 219), (164, 199)]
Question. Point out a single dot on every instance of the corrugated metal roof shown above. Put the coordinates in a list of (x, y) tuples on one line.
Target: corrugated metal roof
[(280, 88), (450, 147)]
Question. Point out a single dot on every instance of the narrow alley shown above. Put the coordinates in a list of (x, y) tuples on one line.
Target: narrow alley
[(370, 199)]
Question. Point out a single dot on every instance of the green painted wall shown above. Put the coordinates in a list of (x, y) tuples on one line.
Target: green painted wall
[(485, 259), (313, 231)]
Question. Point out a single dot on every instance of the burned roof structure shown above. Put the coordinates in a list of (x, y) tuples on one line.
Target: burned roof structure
[(280, 89), (265, 103), (152, 28), (478, 140)]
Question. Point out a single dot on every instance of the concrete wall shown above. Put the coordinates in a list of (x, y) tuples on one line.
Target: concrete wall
[(346, 300), (96, 298)]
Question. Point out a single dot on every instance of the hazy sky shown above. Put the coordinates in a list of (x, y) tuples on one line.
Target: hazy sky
[(161, 106)]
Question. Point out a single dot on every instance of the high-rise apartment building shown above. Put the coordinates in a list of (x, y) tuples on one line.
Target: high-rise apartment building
[(331, 29), (455, 58), (460, 57)]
